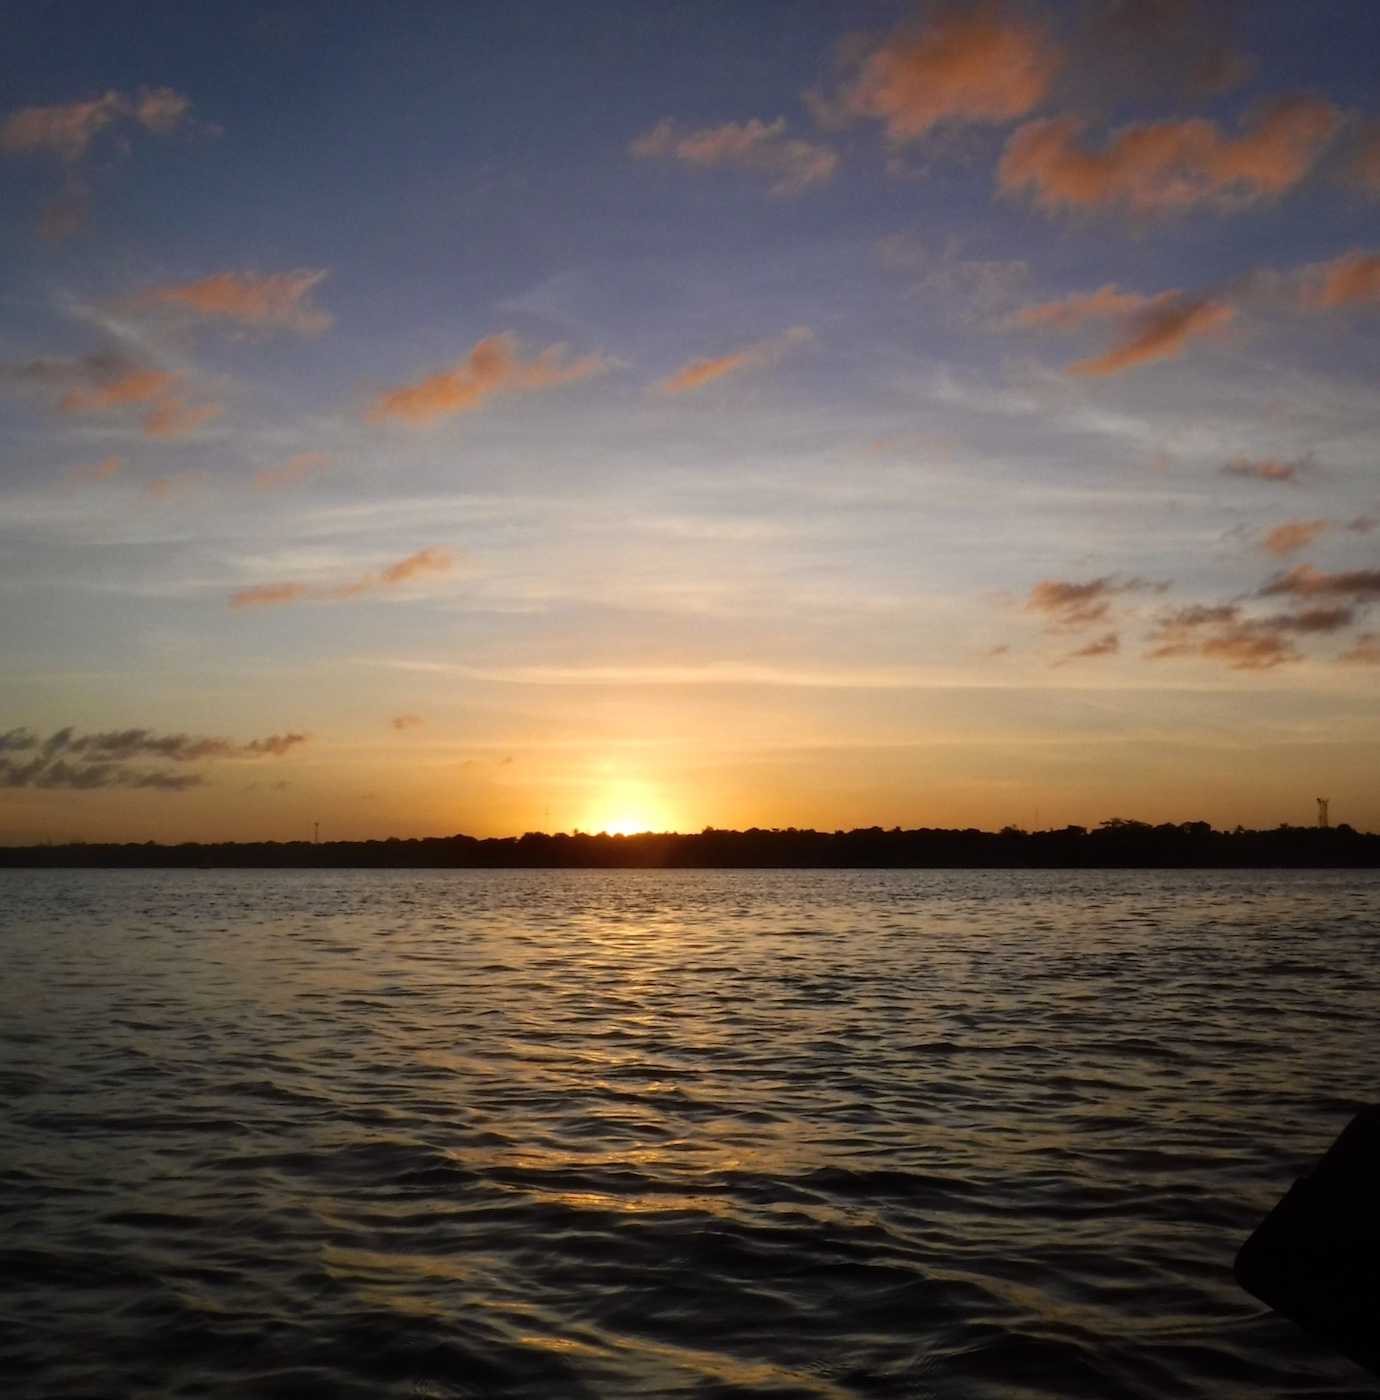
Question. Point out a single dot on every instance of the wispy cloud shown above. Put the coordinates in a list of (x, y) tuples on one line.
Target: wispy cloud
[(493, 367), (1350, 280), (275, 301), (66, 130), (790, 164), (1304, 581), (760, 355), (174, 417), (112, 383), (66, 759), (1223, 633), (401, 722), (1106, 645), (1269, 469), (1071, 312), (1161, 330), (103, 470), (1169, 166), (986, 63), (424, 561), (1292, 535), (292, 472), (1067, 603)]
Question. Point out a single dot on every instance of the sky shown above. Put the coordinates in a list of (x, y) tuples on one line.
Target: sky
[(429, 418)]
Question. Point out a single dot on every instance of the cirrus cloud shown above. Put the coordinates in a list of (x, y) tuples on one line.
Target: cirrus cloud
[(424, 561), (1353, 279)]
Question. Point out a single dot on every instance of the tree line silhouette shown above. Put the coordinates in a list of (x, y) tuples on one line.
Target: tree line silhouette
[(1115, 842)]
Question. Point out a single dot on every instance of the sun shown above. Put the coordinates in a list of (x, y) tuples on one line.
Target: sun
[(627, 807)]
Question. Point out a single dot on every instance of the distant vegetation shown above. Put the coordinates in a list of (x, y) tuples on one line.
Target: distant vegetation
[(1116, 842)]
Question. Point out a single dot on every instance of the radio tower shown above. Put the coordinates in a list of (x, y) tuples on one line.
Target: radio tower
[(1322, 813)]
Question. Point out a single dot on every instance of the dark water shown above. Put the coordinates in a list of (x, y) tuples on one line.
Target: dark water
[(942, 1134)]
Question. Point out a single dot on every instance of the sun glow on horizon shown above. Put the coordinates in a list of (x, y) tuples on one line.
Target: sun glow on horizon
[(626, 807)]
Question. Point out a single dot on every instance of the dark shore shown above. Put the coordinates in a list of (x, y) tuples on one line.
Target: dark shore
[(1185, 845)]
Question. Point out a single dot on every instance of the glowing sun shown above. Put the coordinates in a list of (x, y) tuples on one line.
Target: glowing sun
[(626, 808)]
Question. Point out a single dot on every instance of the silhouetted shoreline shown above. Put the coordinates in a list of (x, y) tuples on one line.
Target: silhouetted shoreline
[(1183, 845)]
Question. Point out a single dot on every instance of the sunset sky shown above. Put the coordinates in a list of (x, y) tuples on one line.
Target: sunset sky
[(426, 417)]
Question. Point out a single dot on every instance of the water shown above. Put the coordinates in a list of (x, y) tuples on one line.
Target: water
[(549, 1134)]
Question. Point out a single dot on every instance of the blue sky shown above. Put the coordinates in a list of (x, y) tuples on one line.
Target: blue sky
[(665, 414)]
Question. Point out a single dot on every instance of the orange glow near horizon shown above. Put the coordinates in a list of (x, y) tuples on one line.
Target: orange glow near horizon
[(626, 806)]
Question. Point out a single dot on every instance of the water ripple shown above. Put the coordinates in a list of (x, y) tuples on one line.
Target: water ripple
[(532, 1134)]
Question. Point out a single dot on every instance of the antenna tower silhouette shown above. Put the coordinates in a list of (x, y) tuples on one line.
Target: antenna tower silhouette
[(1322, 812)]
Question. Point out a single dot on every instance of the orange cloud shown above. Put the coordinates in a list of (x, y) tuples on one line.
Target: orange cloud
[(1168, 166), (280, 300), (1161, 331), (431, 560), (1255, 644), (1070, 604), (1293, 535), (760, 355), (1245, 648), (491, 368), (1262, 469), (67, 129), (401, 722), (762, 147), (167, 488), (1107, 645), (95, 471), (176, 418), (424, 561), (1069, 313), (1304, 581), (1350, 280), (268, 594), (294, 470), (129, 386), (983, 64)]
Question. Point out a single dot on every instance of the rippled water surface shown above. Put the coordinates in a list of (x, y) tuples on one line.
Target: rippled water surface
[(759, 1133)]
